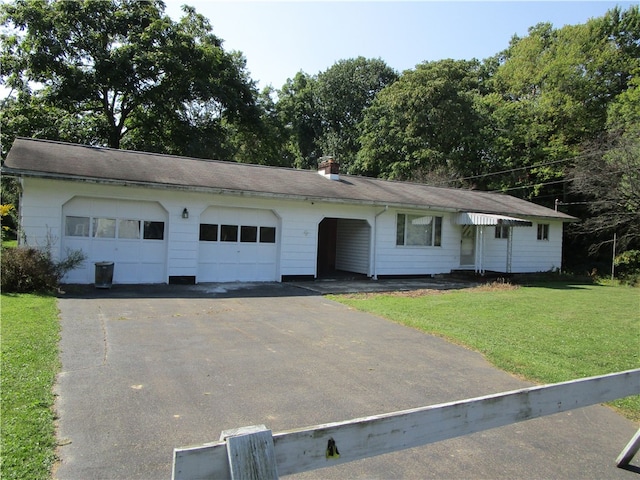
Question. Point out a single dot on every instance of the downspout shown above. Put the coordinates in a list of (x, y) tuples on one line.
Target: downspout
[(375, 234)]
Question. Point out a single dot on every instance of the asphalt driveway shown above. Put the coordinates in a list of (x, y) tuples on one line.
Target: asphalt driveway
[(147, 369)]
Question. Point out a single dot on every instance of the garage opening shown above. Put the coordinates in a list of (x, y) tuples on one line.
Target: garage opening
[(343, 247)]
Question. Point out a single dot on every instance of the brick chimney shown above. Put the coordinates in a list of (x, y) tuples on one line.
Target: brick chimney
[(329, 168)]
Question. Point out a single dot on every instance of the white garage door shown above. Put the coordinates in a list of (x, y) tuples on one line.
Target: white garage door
[(130, 234), (237, 244)]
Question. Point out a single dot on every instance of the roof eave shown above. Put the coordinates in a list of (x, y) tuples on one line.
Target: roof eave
[(14, 172)]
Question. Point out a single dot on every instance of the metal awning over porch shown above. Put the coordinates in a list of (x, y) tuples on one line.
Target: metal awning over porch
[(487, 219)]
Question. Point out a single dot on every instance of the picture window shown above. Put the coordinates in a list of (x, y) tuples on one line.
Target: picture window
[(418, 230)]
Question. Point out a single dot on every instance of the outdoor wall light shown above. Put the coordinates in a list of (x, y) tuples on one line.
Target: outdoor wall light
[(185, 213)]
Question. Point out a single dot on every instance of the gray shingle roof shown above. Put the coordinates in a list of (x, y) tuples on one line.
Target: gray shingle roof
[(44, 158)]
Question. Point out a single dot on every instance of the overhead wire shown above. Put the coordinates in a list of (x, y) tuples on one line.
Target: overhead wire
[(516, 169)]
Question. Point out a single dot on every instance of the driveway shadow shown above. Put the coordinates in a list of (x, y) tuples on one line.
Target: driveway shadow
[(204, 290)]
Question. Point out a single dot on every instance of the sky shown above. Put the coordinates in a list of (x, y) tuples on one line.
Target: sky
[(279, 39)]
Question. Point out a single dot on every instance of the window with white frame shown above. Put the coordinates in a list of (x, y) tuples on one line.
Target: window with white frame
[(76, 226), (543, 231), (502, 231), (104, 227), (129, 229), (99, 227), (418, 230)]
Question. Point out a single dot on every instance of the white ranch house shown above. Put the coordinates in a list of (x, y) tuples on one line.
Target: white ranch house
[(167, 219)]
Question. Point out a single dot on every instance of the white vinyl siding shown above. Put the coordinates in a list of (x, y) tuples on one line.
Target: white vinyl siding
[(416, 260), (352, 247), (529, 255), (290, 225)]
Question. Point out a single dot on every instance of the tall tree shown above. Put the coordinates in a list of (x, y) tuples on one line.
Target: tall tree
[(426, 121), (322, 112), (265, 142), (298, 110), (552, 91), (343, 93), (127, 68), (608, 177)]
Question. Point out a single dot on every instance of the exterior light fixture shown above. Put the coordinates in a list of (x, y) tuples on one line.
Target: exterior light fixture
[(185, 213)]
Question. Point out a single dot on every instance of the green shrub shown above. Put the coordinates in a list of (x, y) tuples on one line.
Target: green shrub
[(29, 269), (627, 266)]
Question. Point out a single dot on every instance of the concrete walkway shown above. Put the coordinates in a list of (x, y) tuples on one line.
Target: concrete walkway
[(147, 369)]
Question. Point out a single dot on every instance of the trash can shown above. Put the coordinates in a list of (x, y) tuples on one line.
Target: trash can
[(104, 274)]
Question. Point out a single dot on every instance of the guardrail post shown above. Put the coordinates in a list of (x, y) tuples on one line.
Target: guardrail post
[(250, 453), (629, 451)]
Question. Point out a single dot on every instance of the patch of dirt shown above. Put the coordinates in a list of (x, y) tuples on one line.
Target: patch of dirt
[(419, 293), (496, 286)]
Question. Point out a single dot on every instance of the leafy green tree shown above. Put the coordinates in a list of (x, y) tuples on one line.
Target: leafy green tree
[(608, 178), (123, 68), (552, 91), (265, 142), (321, 113), (424, 122), (297, 109), (343, 93)]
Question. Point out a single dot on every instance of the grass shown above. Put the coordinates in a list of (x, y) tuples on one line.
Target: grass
[(29, 362), (545, 333)]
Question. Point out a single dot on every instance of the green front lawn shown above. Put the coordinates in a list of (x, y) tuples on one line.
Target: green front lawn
[(546, 333), (29, 362)]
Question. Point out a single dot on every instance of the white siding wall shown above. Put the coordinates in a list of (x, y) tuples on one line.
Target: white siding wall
[(409, 260), (41, 213), (299, 239), (352, 252), (529, 254), (495, 249), (45, 201), (533, 255)]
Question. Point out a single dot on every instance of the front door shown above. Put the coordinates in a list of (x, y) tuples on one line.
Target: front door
[(468, 246)]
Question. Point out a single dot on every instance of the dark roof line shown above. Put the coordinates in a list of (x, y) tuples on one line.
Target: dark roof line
[(66, 161)]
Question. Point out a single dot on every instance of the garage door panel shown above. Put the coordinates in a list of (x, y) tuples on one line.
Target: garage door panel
[(238, 216), (238, 261), (128, 251), (137, 260), (105, 248), (124, 272), (152, 251)]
